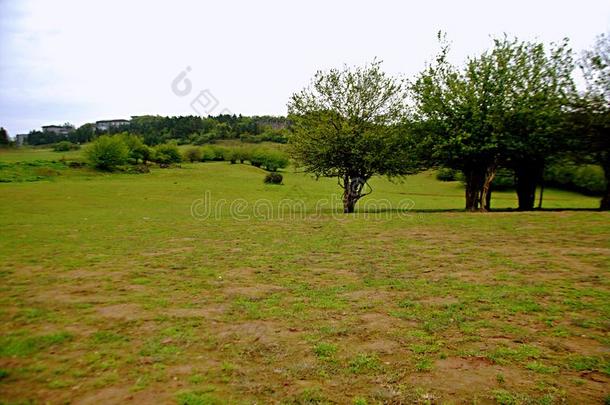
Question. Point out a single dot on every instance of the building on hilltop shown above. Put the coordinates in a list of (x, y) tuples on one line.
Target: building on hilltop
[(106, 125), (58, 129), (20, 139)]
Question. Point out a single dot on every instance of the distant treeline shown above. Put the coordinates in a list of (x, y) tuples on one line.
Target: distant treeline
[(155, 130)]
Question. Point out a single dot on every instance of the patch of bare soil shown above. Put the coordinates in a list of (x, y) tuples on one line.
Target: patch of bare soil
[(170, 251), (253, 291), (459, 377), (126, 312), (211, 312), (123, 395)]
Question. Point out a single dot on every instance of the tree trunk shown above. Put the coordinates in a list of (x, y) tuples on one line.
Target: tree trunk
[(605, 202), (528, 177), (352, 188), (541, 193), (478, 187), (472, 189), (490, 173)]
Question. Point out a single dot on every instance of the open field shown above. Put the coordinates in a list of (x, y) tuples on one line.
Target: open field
[(112, 292)]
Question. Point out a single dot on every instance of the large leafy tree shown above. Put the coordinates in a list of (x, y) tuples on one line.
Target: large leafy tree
[(593, 108), (461, 116), (4, 140), (505, 107), (348, 124), (540, 89)]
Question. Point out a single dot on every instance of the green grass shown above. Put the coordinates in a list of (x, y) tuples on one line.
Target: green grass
[(109, 284)]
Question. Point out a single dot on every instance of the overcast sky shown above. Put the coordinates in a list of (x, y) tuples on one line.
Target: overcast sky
[(82, 61)]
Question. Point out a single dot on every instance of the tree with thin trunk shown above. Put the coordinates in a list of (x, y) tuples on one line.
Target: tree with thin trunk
[(349, 124)]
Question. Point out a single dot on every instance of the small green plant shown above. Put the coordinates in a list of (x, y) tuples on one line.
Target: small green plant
[(273, 178), (423, 364), (325, 350), (541, 368), (21, 345), (197, 398), (364, 363)]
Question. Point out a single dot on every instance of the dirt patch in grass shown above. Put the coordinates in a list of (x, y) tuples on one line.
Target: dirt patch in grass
[(125, 312)]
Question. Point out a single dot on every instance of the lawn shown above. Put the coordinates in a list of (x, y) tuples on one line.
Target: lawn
[(116, 288)]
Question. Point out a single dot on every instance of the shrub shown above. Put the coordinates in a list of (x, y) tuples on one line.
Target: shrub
[(257, 157), (503, 180), (107, 152), (273, 178), (446, 174), (65, 146), (588, 179), (269, 159), (193, 154), (210, 153), (167, 154), (137, 150), (275, 160), (242, 154)]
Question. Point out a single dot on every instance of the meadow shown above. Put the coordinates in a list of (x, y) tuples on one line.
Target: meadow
[(112, 291)]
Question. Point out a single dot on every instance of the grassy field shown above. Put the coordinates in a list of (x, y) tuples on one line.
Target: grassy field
[(114, 292)]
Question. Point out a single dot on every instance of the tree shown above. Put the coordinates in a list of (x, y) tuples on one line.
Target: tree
[(4, 140), (347, 125), (459, 117), (592, 112), (84, 133), (107, 152), (505, 107), (137, 150), (540, 88), (166, 154), (193, 154)]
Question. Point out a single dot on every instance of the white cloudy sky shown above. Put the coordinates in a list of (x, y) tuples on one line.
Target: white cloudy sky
[(81, 61)]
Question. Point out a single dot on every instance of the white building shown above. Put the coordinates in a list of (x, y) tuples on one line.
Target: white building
[(104, 126), (20, 139), (58, 129)]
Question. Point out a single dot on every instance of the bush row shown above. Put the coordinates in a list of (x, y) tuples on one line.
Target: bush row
[(108, 152), (269, 159)]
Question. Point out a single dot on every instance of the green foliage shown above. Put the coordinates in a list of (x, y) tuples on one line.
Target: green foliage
[(137, 150), (4, 139), (273, 178), (197, 398), (364, 363), (447, 174), (347, 124), (475, 118), (588, 179), (193, 154), (34, 170), (65, 146), (504, 179), (21, 344), (213, 153), (167, 154), (325, 350), (271, 160), (107, 152)]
